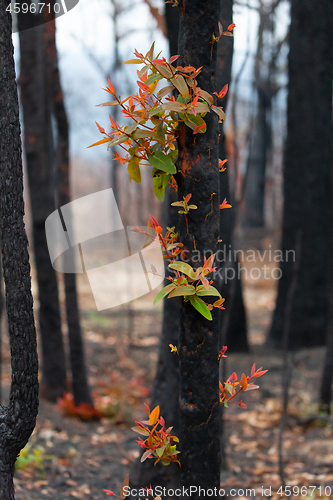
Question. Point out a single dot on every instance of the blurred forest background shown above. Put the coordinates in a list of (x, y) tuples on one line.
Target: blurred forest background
[(278, 290)]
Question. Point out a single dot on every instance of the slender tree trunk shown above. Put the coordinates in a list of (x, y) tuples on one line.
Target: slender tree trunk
[(308, 160), (233, 319), (39, 149), (18, 419), (79, 376), (200, 417)]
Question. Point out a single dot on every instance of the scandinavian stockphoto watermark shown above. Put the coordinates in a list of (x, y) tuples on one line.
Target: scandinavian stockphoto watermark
[(34, 13), (232, 264), (87, 235)]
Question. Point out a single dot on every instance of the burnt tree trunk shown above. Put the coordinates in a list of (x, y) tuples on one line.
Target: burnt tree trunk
[(81, 391), (39, 150), (233, 319), (165, 392), (19, 417), (198, 174), (325, 396), (306, 174)]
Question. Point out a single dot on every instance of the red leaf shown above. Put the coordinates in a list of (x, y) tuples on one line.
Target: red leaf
[(253, 369), (101, 129), (223, 91), (110, 493), (231, 27), (172, 59)]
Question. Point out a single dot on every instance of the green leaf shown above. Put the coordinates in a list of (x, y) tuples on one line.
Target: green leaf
[(164, 91), (141, 133), (140, 430), (182, 290), (166, 462), (201, 291), (193, 122), (160, 132), (159, 189), (143, 70), (173, 106), (153, 78), (160, 451), (162, 162), (229, 388), (183, 267), (201, 107), (133, 170), (201, 307), (118, 140), (206, 95), (181, 85), (165, 72), (225, 404), (167, 289), (219, 112)]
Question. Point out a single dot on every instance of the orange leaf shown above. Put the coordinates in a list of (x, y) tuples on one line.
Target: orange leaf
[(153, 417), (243, 382), (125, 484), (225, 204)]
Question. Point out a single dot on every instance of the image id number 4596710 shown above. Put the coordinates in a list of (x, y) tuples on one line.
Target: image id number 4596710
[(33, 8), (305, 491)]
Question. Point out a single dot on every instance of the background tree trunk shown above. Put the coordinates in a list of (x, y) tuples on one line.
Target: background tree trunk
[(39, 150), (198, 174), (18, 419), (306, 174), (233, 319), (81, 391)]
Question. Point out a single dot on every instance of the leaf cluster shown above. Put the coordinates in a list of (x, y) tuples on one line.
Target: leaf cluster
[(159, 442), (155, 114)]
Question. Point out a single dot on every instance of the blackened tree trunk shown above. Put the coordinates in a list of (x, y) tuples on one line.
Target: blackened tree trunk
[(165, 392), (233, 319), (19, 417), (39, 150), (325, 396), (200, 417), (81, 391), (306, 174)]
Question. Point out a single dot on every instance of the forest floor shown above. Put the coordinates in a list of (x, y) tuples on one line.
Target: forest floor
[(70, 459)]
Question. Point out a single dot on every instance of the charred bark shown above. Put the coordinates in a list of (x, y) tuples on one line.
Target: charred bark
[(198, 174), (39, 151), (18, 419), (308, 160)]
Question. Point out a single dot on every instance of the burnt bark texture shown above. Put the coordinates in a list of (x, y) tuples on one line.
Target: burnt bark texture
[(198, 174), (39, 152), (80, 385), (233, 319), (165, 392), (307, 167), (18, 419)]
